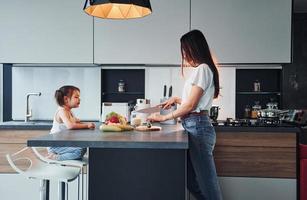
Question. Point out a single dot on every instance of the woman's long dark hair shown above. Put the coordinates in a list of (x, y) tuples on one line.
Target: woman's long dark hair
[(194, 47)]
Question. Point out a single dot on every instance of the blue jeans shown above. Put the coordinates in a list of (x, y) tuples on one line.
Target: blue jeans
[(202, 178), (68, 153)]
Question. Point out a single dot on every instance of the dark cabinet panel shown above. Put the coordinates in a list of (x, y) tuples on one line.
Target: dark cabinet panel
[(134, 84), (294, 74), (270, 88)]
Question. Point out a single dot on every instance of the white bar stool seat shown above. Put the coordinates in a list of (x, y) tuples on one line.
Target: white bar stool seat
[(76, 163), (26, 163)]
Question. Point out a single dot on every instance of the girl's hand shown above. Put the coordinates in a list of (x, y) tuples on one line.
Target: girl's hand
[(168, 103), (77, 120), (91, 125), (155, 117)]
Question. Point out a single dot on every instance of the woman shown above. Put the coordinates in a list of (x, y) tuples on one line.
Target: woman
[(198, 93)]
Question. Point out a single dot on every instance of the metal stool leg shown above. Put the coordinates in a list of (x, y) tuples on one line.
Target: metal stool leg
[(44, 190), (79, 187), (61, 191), (82, 182), (67, 191)]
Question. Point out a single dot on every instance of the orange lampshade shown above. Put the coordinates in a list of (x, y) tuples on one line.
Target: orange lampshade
[(118, 9)]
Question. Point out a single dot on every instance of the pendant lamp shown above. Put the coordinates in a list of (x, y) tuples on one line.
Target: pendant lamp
[(117, 9)]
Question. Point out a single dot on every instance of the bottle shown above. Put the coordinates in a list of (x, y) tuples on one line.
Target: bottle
[(256, 86), (121, 86), (247, 112)]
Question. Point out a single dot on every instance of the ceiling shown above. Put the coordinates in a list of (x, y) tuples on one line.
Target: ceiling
[(300, 6)]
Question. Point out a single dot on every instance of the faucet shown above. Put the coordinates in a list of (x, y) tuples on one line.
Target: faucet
[(29, 111)]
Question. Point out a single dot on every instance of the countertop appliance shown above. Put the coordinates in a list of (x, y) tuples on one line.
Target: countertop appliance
[(142, 117)]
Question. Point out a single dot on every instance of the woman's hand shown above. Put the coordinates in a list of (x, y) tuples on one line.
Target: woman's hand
[(156, 117), (168, 103), (90, 125)]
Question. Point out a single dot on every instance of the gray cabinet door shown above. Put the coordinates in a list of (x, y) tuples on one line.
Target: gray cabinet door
[(245, 31), (44, 31), (150, 40)]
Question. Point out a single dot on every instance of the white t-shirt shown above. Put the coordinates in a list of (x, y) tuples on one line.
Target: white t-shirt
[(202, 77)]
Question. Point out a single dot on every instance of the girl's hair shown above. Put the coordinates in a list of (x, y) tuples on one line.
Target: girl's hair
[(194, 47), (66, 90)]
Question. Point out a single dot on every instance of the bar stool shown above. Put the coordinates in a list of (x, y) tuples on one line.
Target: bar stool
[(76, 163), (26, 163)]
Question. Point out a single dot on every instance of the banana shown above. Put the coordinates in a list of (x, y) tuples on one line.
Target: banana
[(109, 128), (115, 128)]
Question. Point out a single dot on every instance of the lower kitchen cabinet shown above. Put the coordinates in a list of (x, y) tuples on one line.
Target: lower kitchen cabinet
[(248, 154), (256, 165)]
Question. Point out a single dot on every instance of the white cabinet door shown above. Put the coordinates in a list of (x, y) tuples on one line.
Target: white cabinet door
[(150, 40), (44, 31), (245, 31)]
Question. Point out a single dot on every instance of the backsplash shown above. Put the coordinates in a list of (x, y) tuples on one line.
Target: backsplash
[(46, 80)]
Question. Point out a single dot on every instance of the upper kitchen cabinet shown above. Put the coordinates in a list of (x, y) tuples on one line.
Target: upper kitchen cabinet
[(45, 32), (150, 40), (245, 31)]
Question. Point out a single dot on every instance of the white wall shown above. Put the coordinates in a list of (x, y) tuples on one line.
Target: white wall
[(46, 80)]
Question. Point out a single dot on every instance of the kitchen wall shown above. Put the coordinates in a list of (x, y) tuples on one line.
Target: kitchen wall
[(46, 80)]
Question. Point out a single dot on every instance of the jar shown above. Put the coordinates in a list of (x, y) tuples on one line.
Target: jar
[(256, 86), (247, 112), (255, 110), (121, 86)]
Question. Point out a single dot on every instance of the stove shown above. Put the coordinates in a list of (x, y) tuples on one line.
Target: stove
[(260, 122)]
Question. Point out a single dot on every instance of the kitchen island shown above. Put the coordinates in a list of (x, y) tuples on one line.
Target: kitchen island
[(130, 165), (152, 165)]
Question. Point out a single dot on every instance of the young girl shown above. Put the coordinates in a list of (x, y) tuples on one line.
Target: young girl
[(198, 92), (67, 97)]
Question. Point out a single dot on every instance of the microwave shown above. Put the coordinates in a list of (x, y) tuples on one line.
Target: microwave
[(120, 108)]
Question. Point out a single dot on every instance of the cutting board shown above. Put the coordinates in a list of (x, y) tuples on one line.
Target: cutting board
[(145, 128)]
